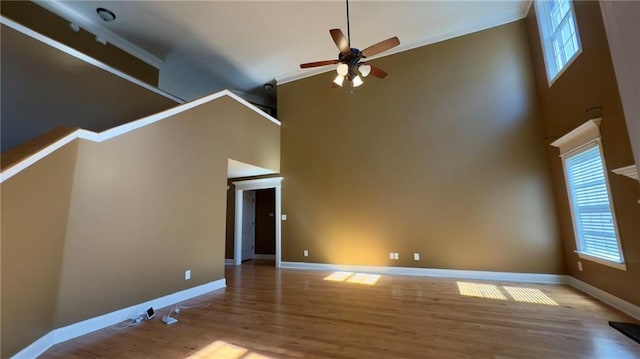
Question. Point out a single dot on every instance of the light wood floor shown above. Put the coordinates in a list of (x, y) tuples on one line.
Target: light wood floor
[(269, 313)]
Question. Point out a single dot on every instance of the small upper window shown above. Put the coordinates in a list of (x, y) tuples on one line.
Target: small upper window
[(559, 35)]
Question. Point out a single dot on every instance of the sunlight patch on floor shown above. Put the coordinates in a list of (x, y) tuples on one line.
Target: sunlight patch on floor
[(338, 276), (363, 278), (491, 291), (350, 277), (480, 290), (223, 350), (529, 295)]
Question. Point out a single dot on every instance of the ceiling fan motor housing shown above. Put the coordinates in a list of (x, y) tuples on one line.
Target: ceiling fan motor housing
[(351, 59)]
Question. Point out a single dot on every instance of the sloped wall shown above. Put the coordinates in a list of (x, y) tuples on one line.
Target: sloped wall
[(444, 157), (144, 207), (51, 25), (44, 88)]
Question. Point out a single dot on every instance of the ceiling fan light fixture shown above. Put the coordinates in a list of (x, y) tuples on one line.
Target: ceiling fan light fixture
[(357, 81), (338, 80), (342, 69), (364, 69)]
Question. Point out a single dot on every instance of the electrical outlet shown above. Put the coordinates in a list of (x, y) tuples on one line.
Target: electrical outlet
[(391, 255), (396, 256), (187, 274), (306, 253), (416, 256), (284, 217), (580, 266)]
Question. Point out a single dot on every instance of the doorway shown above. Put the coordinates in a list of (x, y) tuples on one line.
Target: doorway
[(243, 239), (248, 225)]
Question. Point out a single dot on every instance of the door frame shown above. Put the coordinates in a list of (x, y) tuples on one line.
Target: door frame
[(249, 185)]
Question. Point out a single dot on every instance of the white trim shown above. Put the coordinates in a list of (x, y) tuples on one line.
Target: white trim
[(432, 272), (96, 28), (125, 128), (445, 34), (36, 348), (260, 183), (617, 265), (620, 304), (264, 256), (237, 236), (249, 185), (587, 132), (229, 262), (628, 171), (75, 330), (580, 139), (88, 59)]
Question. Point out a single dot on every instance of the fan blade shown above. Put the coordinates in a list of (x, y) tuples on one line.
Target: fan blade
[(340, 41), (377, 72), (381, 46), (318, 63)]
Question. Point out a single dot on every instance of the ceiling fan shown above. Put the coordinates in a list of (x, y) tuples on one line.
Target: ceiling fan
[(349, 60)]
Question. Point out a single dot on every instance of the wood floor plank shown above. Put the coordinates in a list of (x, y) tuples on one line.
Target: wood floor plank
[(269, 313)]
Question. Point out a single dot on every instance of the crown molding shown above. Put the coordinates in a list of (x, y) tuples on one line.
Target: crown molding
[(443, 35), (94, 27), (83, 57), (629, 171), (585, 133)]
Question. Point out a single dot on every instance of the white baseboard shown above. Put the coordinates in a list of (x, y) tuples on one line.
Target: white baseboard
[(229, 262), (621, 304), (264, 256), (36, 348), (75, 330), (430, 272)]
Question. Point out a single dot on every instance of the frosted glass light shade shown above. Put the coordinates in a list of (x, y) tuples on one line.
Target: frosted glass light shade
[(357, 81), (364, 70), (342, 69)]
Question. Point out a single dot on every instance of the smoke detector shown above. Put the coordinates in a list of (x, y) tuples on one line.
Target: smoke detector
[(106, 14)]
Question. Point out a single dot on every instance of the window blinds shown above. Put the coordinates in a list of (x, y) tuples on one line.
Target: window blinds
[(589, 195)]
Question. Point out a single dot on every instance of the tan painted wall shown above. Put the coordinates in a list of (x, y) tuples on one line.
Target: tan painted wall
[(40, 20), (43, 88), (96, 227), (148, 205), (622, 24), (590, 81), (444, 157), (34, 219)]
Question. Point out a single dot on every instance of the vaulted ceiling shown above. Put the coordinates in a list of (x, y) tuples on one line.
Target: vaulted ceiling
[(245, 44)]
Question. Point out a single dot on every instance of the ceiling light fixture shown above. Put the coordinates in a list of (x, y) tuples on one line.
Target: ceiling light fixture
[(350, 65), (106, 14)]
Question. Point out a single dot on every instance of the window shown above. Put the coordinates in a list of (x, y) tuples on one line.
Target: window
[(588, 189), (559, 35)]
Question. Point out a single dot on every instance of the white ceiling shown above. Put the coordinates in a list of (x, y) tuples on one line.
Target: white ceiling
[(244, 44), (237, 169)]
